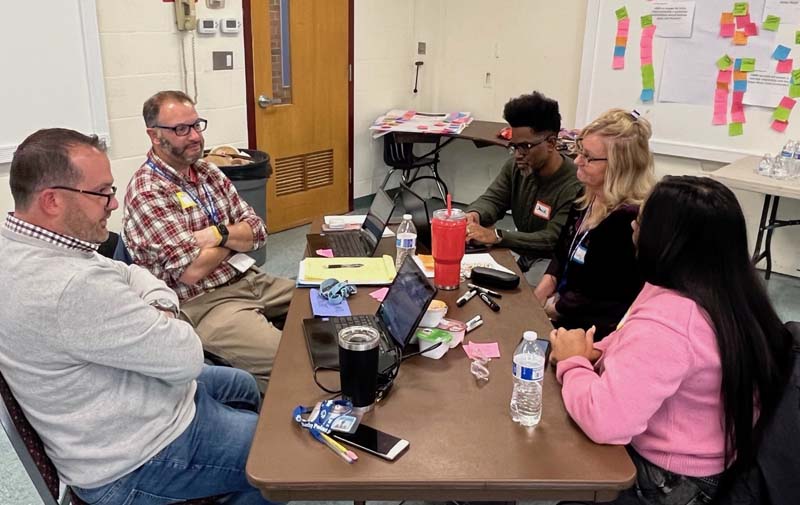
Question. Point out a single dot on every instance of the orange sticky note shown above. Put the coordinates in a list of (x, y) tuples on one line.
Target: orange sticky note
[(726, 18), (739, 76), (722, 85), (621, 41), (739, 38)]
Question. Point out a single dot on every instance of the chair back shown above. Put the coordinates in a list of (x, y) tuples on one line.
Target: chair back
[(401, 154)]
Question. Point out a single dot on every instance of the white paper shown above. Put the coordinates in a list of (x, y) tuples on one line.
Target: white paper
[(673, 19), (353, 219), (766, 89), (787, 10), (241, 262), (468, 262)]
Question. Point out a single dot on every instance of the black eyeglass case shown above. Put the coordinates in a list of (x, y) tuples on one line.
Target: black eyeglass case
[(490, 277)]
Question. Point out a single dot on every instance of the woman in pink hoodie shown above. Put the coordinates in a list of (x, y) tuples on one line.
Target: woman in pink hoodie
[(699, 356)]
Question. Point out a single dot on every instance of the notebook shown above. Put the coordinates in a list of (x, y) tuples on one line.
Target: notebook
[(361, 243), (396, 320)]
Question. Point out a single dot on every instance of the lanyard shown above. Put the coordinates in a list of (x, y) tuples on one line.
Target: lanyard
[(212, 213), (573, 248)]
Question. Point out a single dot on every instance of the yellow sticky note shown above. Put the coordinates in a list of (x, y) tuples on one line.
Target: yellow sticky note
[(185, 200)]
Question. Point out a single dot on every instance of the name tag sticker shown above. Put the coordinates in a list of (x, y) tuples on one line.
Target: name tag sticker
[(580, 255), (542, 210), (185, 200), (241, 262)]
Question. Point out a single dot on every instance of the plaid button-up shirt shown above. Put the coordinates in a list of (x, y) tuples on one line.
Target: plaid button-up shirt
[(164, 208)]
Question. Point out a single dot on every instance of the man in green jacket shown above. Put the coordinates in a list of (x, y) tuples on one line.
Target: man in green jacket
[(538, 185)]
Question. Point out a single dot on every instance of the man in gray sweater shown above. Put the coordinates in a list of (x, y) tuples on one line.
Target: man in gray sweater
[(538, 185), (111, 381)]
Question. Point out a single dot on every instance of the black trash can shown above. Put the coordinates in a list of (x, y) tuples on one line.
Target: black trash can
[(250, 181)]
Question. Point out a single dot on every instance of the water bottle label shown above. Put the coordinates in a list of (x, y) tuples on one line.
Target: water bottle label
[(406, 243), (527, 374)]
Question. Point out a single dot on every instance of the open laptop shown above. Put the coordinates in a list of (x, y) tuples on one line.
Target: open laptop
[(396, 320), (361, 243)]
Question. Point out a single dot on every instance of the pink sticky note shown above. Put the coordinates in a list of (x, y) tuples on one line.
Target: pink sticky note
[(624, 23), (785, 66), (622, 32), (646, 52), (787, 103), (647, 60), (648, 32), (483, 350), (325, 253), (619, 62), (721, 96), (737, 116), (727, 30), (724, 76), (379, 294), (742, 21), (738, 96), (751, 29), (779, 126)]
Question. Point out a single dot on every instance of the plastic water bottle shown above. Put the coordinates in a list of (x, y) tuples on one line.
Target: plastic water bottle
[(784, 169), (795, 171), (528, 371), (765, 165), (406, 240)]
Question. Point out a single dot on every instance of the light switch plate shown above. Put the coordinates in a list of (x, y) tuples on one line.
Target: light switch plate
[(222, 60)]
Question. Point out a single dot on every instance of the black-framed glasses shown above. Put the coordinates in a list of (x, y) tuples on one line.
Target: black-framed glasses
[(581, 152), (183, 130), (107, 196), (525, 147)]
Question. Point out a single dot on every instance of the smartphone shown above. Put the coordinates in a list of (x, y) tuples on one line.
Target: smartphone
[(373, 441)]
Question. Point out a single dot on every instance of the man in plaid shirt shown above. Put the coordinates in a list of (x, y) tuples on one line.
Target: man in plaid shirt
[(185, 222)]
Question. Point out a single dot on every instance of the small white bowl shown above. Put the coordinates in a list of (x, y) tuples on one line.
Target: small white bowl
[(434, 315)]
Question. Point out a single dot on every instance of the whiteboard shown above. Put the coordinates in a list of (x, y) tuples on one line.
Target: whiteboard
[(679, 129), (53, 74)]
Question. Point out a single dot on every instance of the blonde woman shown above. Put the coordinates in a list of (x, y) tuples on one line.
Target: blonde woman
[(592, 279)]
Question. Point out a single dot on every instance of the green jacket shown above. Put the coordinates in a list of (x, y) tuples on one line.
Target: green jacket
[(539, 206)]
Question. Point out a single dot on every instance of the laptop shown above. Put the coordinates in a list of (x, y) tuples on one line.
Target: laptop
[(361, 243), (396, 321)]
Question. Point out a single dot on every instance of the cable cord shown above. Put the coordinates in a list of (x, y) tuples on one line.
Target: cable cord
[(183, 62), (194, 67)]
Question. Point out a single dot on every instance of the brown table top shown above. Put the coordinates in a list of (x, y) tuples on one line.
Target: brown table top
[(463, 444)]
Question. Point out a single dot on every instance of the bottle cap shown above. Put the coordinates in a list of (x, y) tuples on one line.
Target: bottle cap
[(407, 217), (530, 335)]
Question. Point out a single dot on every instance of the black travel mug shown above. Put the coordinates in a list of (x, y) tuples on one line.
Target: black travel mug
[(358, 365)]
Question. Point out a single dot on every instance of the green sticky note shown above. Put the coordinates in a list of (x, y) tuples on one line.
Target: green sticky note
[(648, 77), (735, 129), (748, 64), (794, 90), (797, 37), (740, 8), (724, 63), (796, 76), (621, 13), (781, 113), (771, 23), (647, 20)]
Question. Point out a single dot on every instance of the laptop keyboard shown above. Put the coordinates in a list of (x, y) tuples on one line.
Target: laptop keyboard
[(346, 244), (343, 322)]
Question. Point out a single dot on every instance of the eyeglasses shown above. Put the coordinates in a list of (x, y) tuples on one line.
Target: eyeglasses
[(107, 196), (580, 151), (525, 147), (183, 130)]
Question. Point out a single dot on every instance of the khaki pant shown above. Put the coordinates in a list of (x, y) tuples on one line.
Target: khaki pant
[(233, 321)]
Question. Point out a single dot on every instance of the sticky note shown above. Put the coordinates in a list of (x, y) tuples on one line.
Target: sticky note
[(794, 90), (784, 66), (619, 50), (719, 118), (647, 95), (379, 294), (780, 53), (726, 18), (648, 32), (751, 29), (735, 129), (624, 24), (619, 62), (621, 13), (727, 30), (738, 96), (723, 85), (797, 37), (780, 126), (648, 77), (742, 21), (325, 253), (322, 307), (748, 64), (647, 20), (721, 96), (740, 8), (485, 350), (739, 76), (647, 60), (787, 103), (737, 64), (771, 23), (739, 38), (737, 112), (724, 63), (724, 76), (740, 85), (781, 113), (621, 41), (796, 76)]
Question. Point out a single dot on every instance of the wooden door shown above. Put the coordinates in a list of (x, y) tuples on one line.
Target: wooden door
[(305, 128)]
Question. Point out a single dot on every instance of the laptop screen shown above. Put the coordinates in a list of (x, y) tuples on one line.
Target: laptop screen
[(406, 302), (379, 213)]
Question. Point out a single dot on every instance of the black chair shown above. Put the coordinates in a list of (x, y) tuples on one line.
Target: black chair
[(398, 154)]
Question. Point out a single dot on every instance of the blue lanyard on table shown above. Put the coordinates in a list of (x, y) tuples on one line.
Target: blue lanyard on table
[(212, 214)]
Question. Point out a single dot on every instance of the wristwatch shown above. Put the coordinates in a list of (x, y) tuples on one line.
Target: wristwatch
[(166, 305), (223, 231), (498, 233)]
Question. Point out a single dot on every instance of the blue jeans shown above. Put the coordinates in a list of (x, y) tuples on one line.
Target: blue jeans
[(208, 459)]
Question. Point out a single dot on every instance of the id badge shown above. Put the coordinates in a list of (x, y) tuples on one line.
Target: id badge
[(185, 200), (579, 256)]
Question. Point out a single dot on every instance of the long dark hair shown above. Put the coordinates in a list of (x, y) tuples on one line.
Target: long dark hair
[(693, 240)]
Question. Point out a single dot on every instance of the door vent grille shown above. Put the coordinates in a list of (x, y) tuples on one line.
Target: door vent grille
[(295, 174)]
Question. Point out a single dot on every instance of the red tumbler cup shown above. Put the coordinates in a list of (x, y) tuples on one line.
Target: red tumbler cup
[(448, 234)]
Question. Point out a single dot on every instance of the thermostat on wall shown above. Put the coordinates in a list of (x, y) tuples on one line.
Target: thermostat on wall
[(230, 25), (207, 26)]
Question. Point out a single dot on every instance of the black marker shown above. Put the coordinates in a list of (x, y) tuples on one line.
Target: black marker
[(488, 301), (485, 290), (465, 297)]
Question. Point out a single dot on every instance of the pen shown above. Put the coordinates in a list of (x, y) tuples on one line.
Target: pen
[(485, 290), (339, 446), (345, 265), (465, 297), (488, 301)]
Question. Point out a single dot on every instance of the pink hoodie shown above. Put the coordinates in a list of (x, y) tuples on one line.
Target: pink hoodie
[(658, 386)]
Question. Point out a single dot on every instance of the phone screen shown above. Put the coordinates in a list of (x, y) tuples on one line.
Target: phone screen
[(373, 441)]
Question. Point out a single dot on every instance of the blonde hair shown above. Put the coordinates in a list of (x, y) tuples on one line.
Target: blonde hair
[(629, 173)]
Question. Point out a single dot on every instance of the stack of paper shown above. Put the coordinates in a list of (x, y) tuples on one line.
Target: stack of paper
[(421, 122)]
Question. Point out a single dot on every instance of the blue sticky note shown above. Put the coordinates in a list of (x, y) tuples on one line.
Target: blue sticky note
[(320, 306), (619, 50), (740, 85), (780, 53), (647, 95), (737, 64)]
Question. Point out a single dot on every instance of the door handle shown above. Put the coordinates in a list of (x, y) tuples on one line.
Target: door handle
[(264, 101)]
